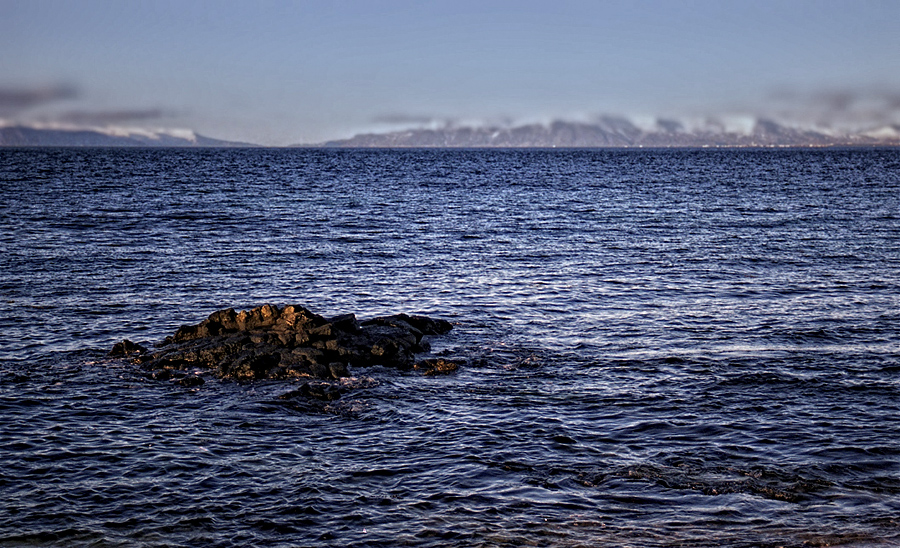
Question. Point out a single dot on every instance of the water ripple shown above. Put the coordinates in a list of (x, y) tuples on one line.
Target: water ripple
[(664, 348)]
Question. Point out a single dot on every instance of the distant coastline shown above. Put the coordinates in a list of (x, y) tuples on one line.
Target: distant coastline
[(26, 136), (620, 133), (613, 133)]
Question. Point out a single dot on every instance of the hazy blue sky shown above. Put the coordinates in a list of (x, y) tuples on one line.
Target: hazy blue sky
[(278, 72)]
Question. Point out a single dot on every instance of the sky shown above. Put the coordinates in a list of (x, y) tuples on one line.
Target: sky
[(280, 72)]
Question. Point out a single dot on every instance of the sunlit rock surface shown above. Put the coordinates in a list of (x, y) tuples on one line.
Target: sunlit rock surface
[(269, 342)]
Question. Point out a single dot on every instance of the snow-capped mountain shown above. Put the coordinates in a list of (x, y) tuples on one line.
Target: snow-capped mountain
[(73, 136), (618, 132)]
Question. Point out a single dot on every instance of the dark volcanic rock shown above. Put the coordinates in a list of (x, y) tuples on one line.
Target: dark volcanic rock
[(438, 366), (190, 381), (270, 342), (126, 348)]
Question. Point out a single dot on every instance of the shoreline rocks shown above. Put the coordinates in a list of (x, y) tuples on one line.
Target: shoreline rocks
[(269, 342)]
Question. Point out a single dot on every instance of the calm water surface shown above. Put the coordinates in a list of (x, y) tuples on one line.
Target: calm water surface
[(664, 348)]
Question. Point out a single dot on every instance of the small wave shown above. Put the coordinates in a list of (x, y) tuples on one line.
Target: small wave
[(761, 378), (719, 480)]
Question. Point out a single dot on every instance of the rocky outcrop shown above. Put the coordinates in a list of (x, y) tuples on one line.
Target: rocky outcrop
[(269, 342)]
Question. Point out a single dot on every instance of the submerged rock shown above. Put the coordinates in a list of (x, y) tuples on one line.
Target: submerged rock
[(126, 348), (269, 342), (436, 366)]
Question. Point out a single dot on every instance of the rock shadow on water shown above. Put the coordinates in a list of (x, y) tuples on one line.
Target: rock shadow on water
[(291, 343)]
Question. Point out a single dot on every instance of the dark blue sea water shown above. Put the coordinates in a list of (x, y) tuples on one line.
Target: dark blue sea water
[(663, 348)]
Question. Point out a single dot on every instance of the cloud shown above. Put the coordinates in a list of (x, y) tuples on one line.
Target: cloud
[(19, 99), (403, 119), (836, 107), (102, 118), (669, 126), (836, 101)]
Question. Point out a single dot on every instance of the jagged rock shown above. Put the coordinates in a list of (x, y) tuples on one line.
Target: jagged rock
[(290, 342), (161, 375), (126, 348), (436, 366), (190, 381)]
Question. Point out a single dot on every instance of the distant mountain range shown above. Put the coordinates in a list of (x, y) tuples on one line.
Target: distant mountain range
[(605, 132), (615, 132), (26, 136)]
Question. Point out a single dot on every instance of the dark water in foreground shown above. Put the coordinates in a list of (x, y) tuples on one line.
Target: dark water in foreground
[(665, 348)]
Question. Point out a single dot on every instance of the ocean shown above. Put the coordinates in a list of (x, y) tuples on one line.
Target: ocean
[(691, 347)]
